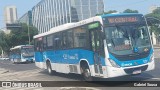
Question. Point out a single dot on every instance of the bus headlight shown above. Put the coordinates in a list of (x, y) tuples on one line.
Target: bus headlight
[(114, 64), (151, 58)]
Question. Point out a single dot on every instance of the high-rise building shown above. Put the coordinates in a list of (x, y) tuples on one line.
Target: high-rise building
[(26, 18), (10, 14), (51, 13)]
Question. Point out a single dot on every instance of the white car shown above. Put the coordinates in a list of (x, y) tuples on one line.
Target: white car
[(4, 58)]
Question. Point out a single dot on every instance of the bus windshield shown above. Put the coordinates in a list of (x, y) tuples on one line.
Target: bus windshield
[(27, 52), (127, 39)]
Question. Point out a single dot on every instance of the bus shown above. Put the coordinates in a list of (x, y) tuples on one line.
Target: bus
[(22, 53), (105, 46)]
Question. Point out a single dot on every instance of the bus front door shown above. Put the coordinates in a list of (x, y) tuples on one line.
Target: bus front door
[(39, 52), (96, 44)]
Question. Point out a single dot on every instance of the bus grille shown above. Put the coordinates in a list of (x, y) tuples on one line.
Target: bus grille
[(130, 70)]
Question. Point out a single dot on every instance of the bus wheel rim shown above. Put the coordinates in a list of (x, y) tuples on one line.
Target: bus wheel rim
[(87, 73)]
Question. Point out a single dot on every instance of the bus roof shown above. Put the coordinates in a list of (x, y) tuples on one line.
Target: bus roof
[(68, 26), (83, 22), (19, 46)]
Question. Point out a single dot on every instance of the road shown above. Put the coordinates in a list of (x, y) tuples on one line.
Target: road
[(29, 72)]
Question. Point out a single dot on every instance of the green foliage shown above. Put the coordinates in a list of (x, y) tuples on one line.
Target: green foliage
[(111, 11), (130, 11), (155, 23), (17, 36), (3, 44)]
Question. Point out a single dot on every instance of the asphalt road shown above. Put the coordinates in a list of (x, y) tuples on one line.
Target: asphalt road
[(29, 72)]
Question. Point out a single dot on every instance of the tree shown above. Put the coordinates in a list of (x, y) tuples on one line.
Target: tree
[(111, 11), (22, 35), (155, 17), (3, 44), (130, 11), (18, 36), (153, 20)]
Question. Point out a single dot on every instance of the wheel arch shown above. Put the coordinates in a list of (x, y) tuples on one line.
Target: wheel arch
[(82, 62), (46, 62)]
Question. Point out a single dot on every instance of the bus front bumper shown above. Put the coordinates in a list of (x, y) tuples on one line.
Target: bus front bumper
[(116, 72)]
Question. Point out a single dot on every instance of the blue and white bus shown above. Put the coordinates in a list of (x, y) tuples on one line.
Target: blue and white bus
[(22, 53), (104, 46)]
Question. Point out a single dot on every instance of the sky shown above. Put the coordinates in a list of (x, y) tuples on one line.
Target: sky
[(120, 5)]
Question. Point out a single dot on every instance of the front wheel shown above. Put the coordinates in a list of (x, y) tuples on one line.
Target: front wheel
[(86, 74), (49, 68)]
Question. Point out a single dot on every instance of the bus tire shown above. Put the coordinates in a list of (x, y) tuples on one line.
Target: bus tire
[(86, 73), (49, 68)]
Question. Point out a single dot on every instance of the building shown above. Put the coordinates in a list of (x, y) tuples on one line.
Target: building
[(51, 13), (10, 14), (26, 18)]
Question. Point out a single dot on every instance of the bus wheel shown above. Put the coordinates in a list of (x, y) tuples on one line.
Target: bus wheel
[(86, 73), (49, 68)]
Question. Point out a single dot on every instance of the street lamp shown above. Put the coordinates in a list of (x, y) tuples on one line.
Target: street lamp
[(29, 40)]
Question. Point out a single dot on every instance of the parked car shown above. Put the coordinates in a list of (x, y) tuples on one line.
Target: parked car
[(4, 58)]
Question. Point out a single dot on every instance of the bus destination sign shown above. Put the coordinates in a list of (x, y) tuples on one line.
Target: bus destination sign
[(122, 19)]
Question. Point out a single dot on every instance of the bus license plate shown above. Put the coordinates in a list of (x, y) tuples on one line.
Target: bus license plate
[(136, 71)]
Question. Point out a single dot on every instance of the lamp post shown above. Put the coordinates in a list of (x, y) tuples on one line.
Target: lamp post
[(29, 40)]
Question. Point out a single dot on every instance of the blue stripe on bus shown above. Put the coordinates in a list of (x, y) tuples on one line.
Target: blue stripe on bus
[(132, 62), (75, 55), (68, 56)]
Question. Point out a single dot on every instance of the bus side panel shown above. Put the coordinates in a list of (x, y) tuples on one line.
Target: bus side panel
[(39, 60), (67, 61)]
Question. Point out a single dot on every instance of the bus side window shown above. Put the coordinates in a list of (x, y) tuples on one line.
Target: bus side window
[(80, 37), (67, 39), (35, 45), (70, 38), (44, 43), (57, 41), (64, 41), (49, 42)]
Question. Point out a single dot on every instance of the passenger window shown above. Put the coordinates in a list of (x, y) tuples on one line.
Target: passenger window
[(80, 37), (49, 42), (57, 41)]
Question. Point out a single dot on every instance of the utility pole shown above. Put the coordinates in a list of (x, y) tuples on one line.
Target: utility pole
[(28, 32)]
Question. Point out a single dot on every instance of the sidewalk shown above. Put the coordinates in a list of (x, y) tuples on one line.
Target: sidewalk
[(2, 71)]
